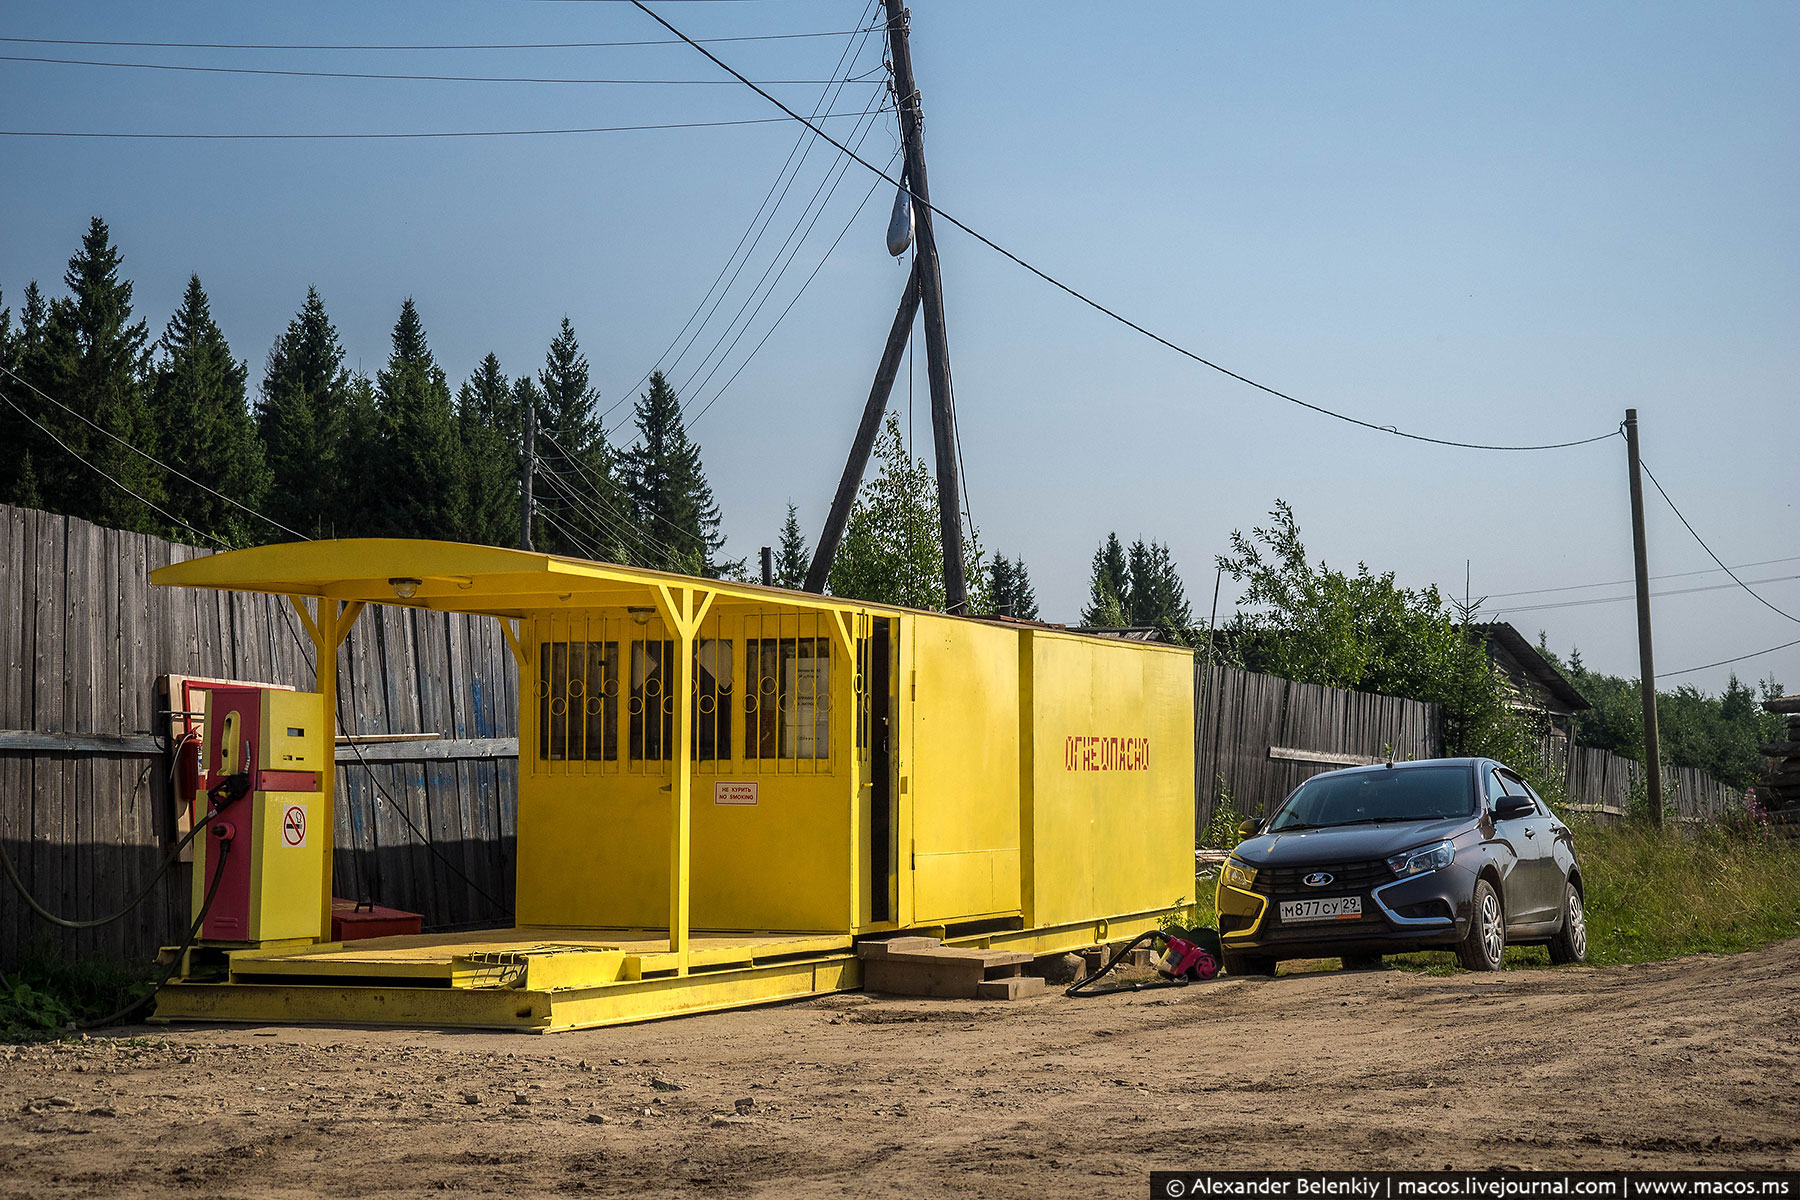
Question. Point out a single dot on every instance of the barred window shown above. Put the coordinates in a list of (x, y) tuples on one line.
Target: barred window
[(787, 700), (651, 708), (578, 701)]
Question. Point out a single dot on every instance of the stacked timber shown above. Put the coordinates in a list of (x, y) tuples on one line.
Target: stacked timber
[(1780, 789)]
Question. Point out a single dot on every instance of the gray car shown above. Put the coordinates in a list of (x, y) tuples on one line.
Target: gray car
[(1450, 853)]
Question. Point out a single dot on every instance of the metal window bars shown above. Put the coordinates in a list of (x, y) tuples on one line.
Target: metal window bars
[(603, 680)]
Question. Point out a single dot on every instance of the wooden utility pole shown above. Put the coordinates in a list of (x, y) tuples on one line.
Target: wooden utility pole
[(529, 465), (931, 287), (1646, 658), (858, 462)]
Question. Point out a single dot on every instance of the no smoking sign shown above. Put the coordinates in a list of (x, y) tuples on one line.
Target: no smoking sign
[(293, 825)]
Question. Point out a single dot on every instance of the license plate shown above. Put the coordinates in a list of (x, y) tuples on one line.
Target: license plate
[(1326, 908)]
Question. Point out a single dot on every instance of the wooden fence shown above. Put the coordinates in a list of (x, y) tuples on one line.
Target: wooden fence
[(1601, 784), (1259, 736), (86, 809)]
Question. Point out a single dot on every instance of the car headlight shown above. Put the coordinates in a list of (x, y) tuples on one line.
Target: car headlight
[(1237, 875), (1425, 858)]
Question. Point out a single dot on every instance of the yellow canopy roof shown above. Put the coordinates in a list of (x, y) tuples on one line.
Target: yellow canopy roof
[(454, 577)]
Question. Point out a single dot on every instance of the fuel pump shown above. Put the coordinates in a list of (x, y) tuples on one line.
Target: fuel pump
[(261, 853)]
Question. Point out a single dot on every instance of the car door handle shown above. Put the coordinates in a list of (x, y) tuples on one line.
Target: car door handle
[(1531, 833)]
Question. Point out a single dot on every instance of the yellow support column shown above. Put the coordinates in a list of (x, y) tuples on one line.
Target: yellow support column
[(683, 617)]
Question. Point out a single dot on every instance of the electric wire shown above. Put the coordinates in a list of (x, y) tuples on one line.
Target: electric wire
[(770, 332), (860, 134), (749, 37), (1576, 587), (394, 75), (405, 135), (617, 524), (1709, 551), (803, 145), (801, 141), (147, 456), (121, 485), (798, 245), (1097, 305), (1688, 591), (1725, 661)]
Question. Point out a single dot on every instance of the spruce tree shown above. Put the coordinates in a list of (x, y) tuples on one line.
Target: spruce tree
[(1157, 597), (23, 356), (199, 398), (1024, 596), (582, 509), (487, 414), (303, 418), (1109, 592), (792, 559), (425, 481), (95, 359), (671, 501)]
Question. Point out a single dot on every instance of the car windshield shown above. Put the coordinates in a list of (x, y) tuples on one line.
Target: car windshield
[(1356, 797)]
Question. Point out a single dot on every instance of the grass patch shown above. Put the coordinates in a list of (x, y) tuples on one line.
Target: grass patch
[(1653, 894), (49, 992)]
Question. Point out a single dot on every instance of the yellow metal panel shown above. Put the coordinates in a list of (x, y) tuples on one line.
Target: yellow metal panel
[(965, 769), (284, 878), (1112, 778), (293, 723)]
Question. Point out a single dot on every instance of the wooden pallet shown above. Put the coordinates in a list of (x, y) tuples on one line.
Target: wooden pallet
[(922, 966)]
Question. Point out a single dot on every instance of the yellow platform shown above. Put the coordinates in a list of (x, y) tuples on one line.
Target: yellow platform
[(537, 979)]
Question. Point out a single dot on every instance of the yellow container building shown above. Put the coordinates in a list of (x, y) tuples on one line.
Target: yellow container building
[(850, 771)]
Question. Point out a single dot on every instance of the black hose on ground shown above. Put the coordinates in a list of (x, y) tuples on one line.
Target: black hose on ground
[(1081, 986), (187, 943)]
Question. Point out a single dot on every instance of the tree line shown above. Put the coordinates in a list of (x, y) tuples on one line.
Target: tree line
[(316, 449)]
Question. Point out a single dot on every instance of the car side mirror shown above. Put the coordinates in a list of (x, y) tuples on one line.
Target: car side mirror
[(1513, 806), (1249, 827)]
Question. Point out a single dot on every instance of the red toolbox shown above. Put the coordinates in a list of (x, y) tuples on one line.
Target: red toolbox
[(350, 923)]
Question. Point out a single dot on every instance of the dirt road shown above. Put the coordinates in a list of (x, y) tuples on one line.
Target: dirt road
[(1680, 1064)]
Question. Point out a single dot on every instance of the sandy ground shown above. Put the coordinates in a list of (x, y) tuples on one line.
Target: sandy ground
[(1673, 1065)]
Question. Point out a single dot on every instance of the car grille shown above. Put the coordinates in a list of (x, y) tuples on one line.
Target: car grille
[(1346, 877)]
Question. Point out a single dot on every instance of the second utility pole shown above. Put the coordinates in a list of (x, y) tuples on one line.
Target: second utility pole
[(1646, 658), (931, 287)]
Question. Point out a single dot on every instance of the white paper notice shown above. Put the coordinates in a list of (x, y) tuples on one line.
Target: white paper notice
[(734, 793)]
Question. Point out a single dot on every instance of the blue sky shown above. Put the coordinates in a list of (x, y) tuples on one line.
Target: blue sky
[(1497, 223)]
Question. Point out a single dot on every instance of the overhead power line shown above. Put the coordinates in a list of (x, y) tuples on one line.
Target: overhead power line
[(1090, 301), (148, 503), (803, 141), (748, 37), (146, 455), (1576, 587), (1688, 591), (1726, 661), (1709, 551), (776, 324), (143, 66), (414, 134)]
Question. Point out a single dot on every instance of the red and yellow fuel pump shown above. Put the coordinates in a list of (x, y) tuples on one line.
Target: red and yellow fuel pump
[(259, 858)]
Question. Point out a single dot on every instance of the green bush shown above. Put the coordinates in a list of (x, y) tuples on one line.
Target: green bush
[(47, 993)]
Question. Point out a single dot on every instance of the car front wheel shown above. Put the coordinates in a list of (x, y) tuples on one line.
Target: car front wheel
[(1570, 943), (1247, 964), (1483, 948)]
